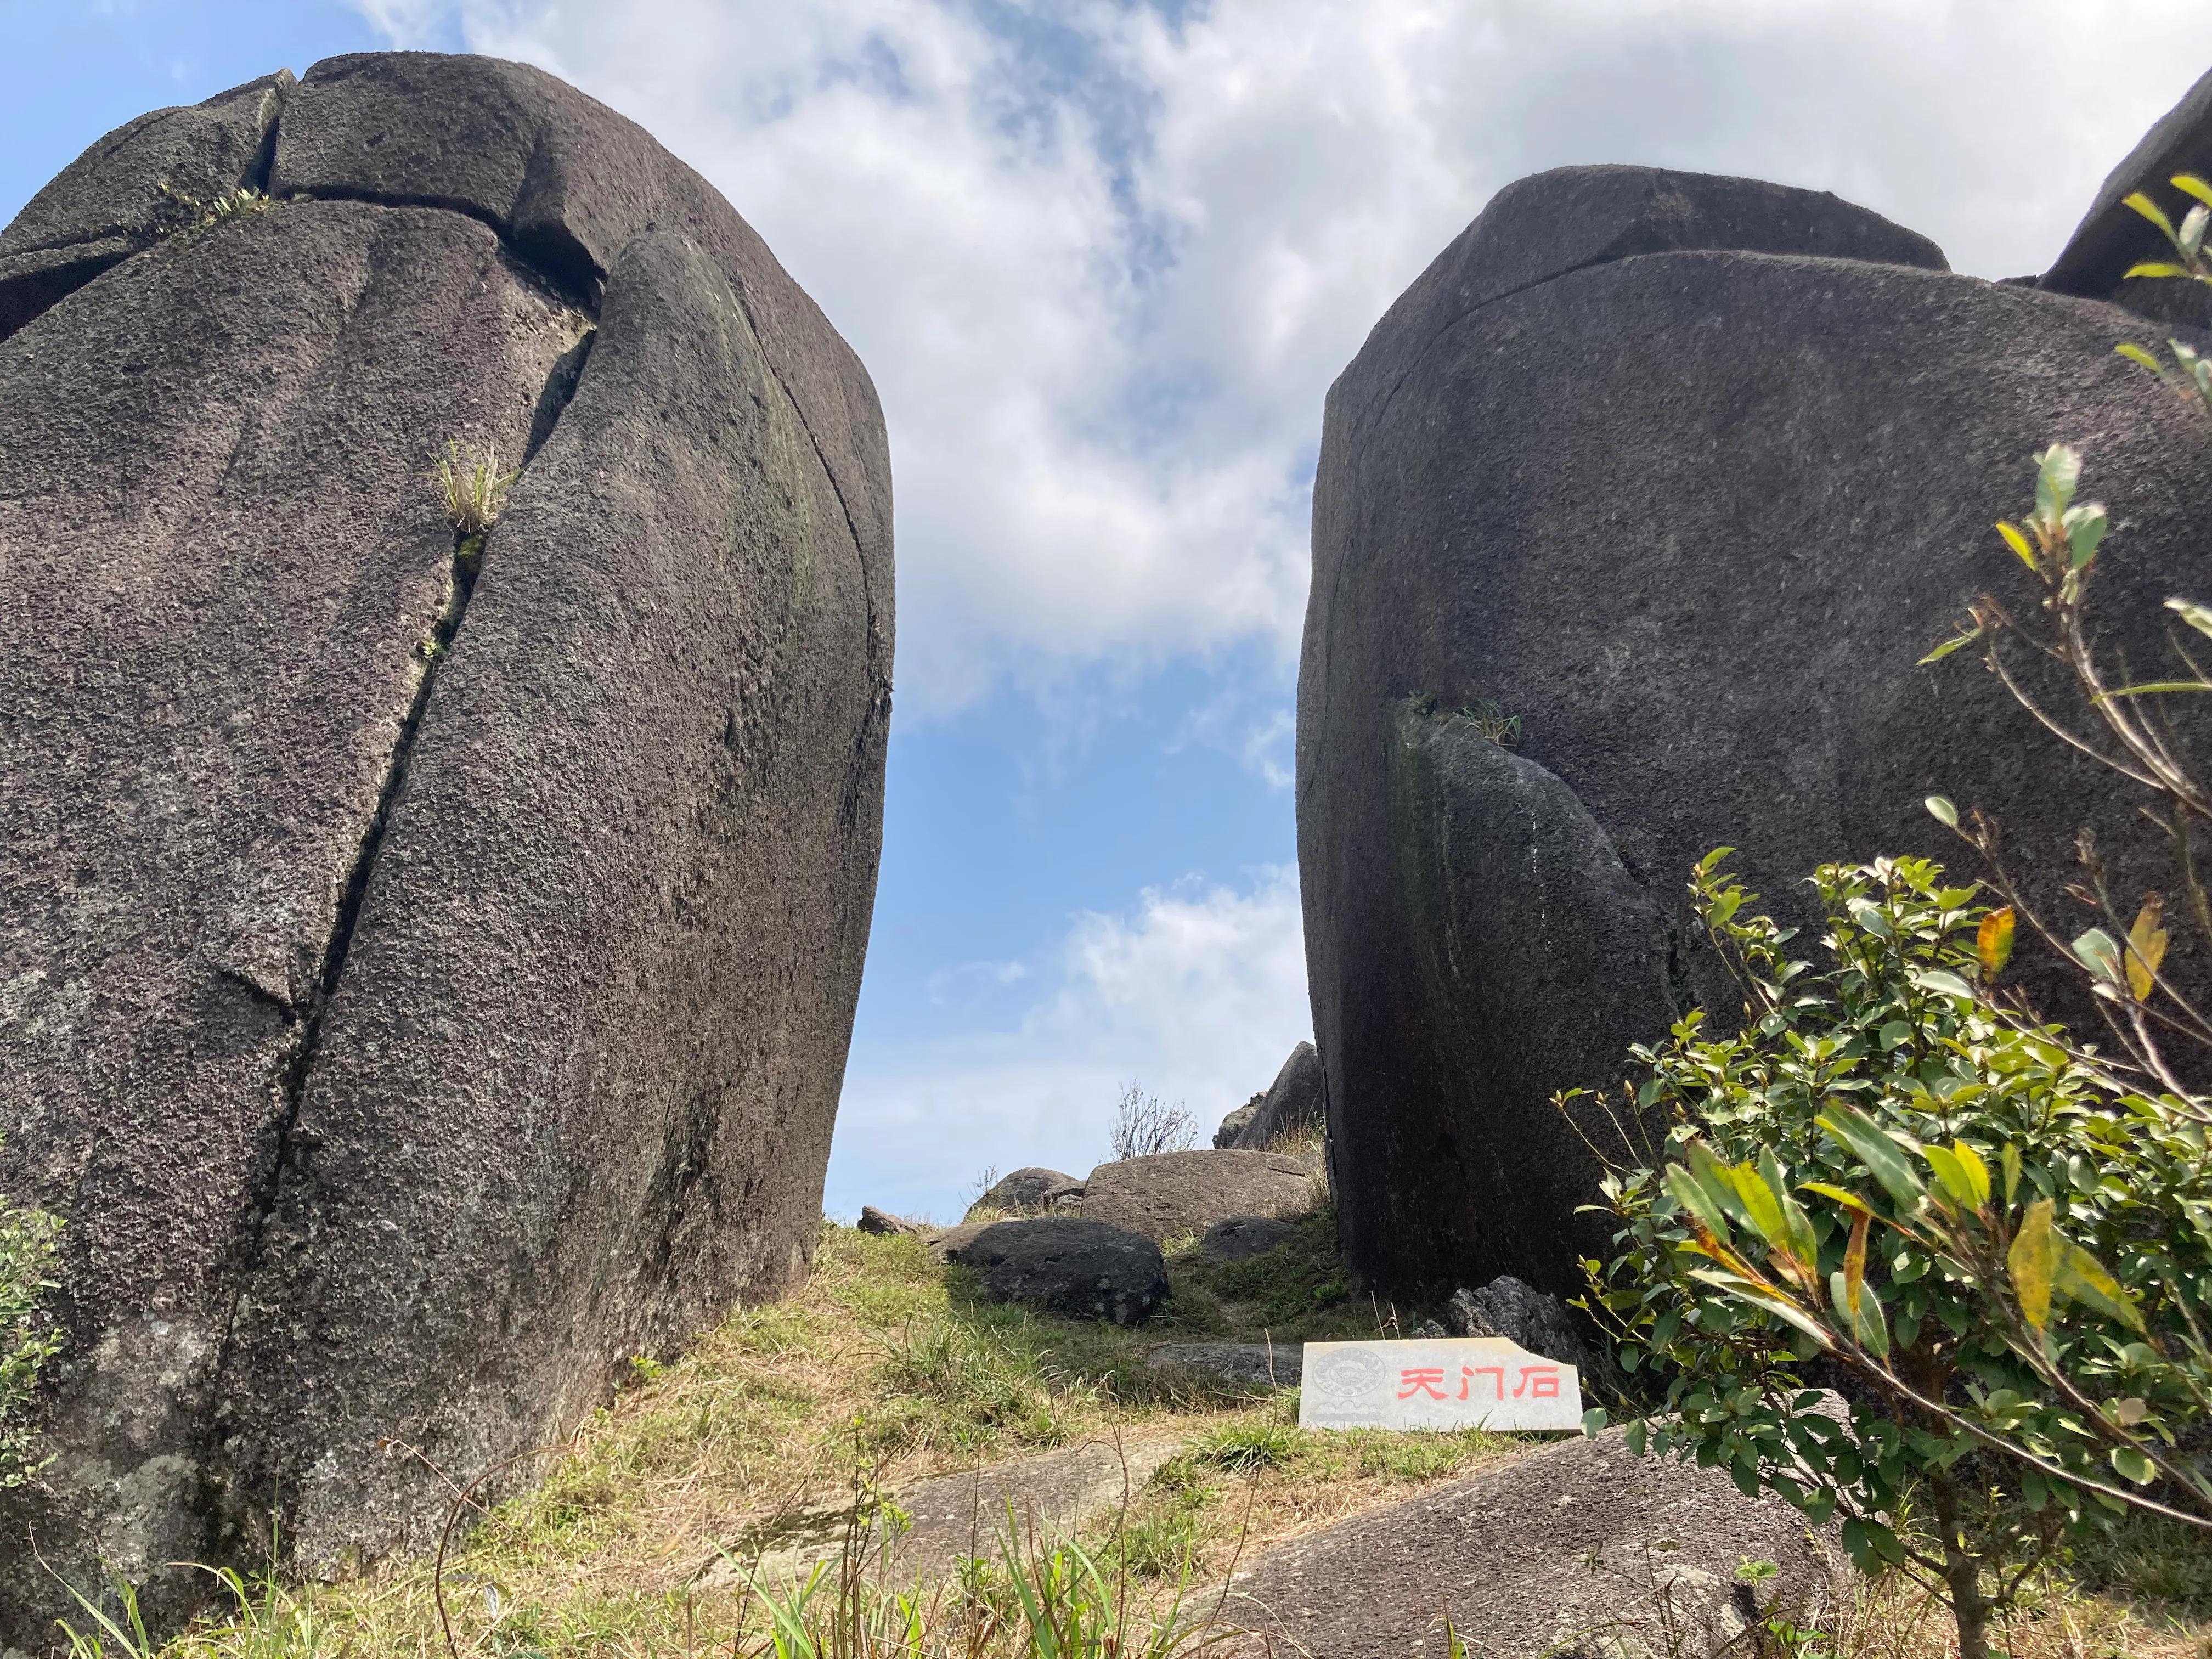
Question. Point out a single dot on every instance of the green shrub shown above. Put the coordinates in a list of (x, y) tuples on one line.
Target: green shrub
[(30, 1245), (2008, 1254)]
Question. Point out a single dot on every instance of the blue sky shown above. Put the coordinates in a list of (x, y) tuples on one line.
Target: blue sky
[(1102, 259)]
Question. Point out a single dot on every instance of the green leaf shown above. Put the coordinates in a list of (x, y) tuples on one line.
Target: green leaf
[(1955, 643), (2190, 185), (2096, 950), (1940, 808), (2196, 616), (2127, 1460), (2153, 689), (2136, 354), (2158, 267), (2031, 1263), (2085, 528), (2057, 475), (2192, 229), (1943, 982), (1760, 1203), (2016, 539), (1767, 1300), (1594, 1421), (2009, 1158), (1849, 1201), (1884, 1158)]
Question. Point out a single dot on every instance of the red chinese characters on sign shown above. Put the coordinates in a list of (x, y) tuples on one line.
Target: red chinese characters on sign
[(1430, 1380), (1534, 1382)]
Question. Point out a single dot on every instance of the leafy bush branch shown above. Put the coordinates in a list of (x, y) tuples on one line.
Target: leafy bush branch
[(1881, 1175)]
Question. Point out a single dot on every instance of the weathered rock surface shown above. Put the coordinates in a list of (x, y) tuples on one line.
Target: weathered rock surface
[(1509, 1554), (1693, 515), (885, 1223), (1242, 1237), (1084, 1269), (1171, 1192), (2112, 237), (1033, 1188), (1253, 1364), (410, 1035), (1296, 1101), (1050, 1496), (147, 178), (1523, 1316)]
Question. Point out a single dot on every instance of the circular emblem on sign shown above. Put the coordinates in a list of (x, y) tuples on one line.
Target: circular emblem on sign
[(1347, 1373)]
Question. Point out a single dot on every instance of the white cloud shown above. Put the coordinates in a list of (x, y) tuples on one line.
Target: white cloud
[(1102, 265), (1198, 993)]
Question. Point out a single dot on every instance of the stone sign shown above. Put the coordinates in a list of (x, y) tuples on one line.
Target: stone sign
[(1454, 1382)]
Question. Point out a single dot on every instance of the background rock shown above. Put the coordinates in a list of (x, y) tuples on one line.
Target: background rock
[(882, 1222), (1242, 1237), (1256, 1364), (1172, 1192), (1296, 1101), (1084, 1269), (1033, 1188), (1509, 1552), (1522, 1316), (409, 1038), (1231, 1132), (1693, 515)]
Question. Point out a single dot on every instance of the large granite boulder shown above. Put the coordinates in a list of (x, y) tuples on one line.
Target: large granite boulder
[(1296, 1101), (1172, 1192), (1084, 1269), (1686, 474), (423, 989), (1581, 1548)]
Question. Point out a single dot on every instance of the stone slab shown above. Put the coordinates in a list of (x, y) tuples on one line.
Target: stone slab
[(953, 1516), (1451, 1382)]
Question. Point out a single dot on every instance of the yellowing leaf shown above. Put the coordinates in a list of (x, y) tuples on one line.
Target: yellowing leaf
[(1993, 941), (2146, 947), (2030, 1262), (2018, 542), (2083, 1278)]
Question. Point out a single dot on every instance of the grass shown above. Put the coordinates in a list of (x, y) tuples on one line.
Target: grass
[(473, 488)]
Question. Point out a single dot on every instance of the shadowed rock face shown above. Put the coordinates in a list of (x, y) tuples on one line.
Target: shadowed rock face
[(409, 1036), (1692, 514)]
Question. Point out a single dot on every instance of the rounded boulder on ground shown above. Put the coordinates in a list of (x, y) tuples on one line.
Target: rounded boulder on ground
[(1242, 1237), (1084, 1269), (1033, 1188), (1173, 1192)]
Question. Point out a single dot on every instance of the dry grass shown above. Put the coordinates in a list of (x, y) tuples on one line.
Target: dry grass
[(1894, 1619)]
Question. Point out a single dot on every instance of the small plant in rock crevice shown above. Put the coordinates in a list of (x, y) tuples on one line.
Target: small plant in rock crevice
[(474, 490), (182, 217), (1491, 723), (30, 1246)]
